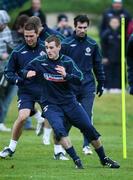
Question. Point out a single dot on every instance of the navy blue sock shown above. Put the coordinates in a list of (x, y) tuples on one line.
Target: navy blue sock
[(72, 153), (101, 153)]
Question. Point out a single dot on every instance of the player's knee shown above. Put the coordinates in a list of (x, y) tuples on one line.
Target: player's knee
[(23, 116)]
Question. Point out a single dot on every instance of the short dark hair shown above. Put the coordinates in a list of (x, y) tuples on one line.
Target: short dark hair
[(53, 38), (82, 19), (31, 26), (35, 20), (21, 21), (62, 17)]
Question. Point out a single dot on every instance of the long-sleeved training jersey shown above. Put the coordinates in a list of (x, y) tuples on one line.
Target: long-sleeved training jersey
[(56, 89)]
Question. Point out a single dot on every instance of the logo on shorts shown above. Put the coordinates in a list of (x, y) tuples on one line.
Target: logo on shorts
[(19, 103), (45, 108)]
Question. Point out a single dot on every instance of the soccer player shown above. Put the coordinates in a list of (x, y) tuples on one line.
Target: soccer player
[(28, 90), (44, 32), (86, 54), (56, 73)]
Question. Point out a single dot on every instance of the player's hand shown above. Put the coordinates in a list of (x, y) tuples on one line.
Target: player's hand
[(100, 89), (105, 61), (31, 74), (61, 70), (5, 56)]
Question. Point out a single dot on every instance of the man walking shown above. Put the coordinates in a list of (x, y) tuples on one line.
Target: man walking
[(86, 54)]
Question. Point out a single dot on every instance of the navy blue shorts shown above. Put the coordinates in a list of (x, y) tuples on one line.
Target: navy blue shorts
[(26, 101), (56, 115)]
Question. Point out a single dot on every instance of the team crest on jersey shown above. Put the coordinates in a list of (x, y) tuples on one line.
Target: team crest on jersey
[(42, 53), (87, 51)]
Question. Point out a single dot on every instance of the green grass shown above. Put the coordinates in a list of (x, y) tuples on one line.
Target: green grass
[(33, 160)]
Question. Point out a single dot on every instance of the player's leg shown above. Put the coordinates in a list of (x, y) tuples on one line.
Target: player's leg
[(16, 133), (59, 151), (25, 106), (55, 116), (79, 119), (47, 130), (40, 122), (87, 101)]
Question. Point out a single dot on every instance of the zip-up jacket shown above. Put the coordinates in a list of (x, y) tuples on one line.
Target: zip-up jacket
[(86, 54), (111, 45), (18, 60), (56, 88), (46, 32), (110, 12)]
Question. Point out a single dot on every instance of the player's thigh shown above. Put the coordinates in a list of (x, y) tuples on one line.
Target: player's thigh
[(24, 113), (54, 115), (78, 116), (25, 101), (87, 102)]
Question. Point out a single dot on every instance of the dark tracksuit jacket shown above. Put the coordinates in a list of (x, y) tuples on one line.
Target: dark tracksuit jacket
[(111, 49), (111, 13), (18, 60), (40, 14), (130, 61), (58, 99), (46, 32), (86, 54), (66, 31)]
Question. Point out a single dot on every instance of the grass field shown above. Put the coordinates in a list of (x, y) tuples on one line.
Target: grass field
[(33, 160)]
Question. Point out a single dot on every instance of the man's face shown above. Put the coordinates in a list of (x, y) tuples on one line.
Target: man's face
[(36, 5), (63, 23), (114, 23), (30, 37), (81, 29), (117, 6), (52, 50)]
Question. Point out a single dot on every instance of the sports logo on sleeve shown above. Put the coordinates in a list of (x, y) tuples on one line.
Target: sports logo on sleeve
[(73, 45), (44, 64), (24, 52)]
